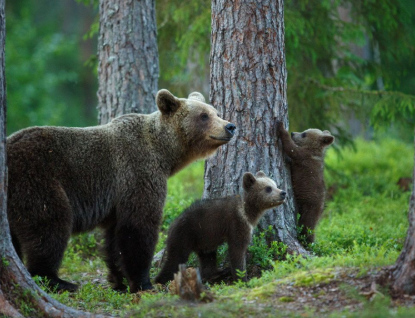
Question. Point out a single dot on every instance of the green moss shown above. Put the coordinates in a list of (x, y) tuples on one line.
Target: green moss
[(286, 299), (309, 278), (5, 262)]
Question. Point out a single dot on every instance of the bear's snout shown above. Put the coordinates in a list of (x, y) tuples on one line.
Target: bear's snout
[(230, 128), (282, 195)]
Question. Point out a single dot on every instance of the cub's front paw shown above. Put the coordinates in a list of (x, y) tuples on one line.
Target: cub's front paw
[(280, 126)]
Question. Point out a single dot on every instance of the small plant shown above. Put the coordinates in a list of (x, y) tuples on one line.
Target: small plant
[(263, 254), (5, 262), (241, 274), (43, 283)]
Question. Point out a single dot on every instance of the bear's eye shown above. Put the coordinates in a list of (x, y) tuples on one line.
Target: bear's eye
[(303, 135), (268, 189), (204, 116)]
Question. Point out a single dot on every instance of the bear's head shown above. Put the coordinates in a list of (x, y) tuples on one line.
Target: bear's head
[(313, 139), (261, 192), (197, 125)]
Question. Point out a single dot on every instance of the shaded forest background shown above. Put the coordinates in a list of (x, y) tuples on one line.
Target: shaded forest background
[(351, 64)]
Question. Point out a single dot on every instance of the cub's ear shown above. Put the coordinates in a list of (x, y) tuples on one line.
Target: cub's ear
[(260, 174), (327, 140), (249, 180), (167, 102), (197, 96)]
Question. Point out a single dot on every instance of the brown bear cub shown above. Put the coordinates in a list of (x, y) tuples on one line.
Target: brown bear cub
[(70, 180), (306, 151), (208, 223)]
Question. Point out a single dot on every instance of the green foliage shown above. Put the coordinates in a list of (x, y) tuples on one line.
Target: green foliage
[(262, 253), (4, 261), (92, 296), (32, 87), (183, 43), (23, 300), (339, 55), (337, 50), (45, 78), (86, 244), (240, 274), (183, 189), (366, 188), (397, 108)]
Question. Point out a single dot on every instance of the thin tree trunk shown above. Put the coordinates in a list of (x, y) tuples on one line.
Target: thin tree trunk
[(248, 87), (19, 295), (128, 67), (403, 274)]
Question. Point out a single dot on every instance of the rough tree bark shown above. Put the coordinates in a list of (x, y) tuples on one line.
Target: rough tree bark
[(128, 67), (19, 294), (248, 87), (403, 273)]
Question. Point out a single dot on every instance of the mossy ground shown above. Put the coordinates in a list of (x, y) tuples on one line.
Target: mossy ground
[(363, 230)]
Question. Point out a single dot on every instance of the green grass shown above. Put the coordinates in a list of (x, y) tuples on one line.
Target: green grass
[(368, 209), (363, 228)]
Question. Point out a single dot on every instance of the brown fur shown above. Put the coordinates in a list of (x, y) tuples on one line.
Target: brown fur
[(306, 151), (206, 224), (70, 180)]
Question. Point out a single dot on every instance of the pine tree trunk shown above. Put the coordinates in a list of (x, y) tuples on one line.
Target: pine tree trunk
[(128, 67), (248, 87), (19, 295), (403, 274)]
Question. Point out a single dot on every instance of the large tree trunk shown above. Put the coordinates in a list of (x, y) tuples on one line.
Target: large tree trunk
[(19, 295), (128, 67), (248, 87), (403, 274)]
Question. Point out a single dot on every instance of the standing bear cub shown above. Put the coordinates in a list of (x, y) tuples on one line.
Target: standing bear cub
[(70, 180), (306, 151), (206, 224)]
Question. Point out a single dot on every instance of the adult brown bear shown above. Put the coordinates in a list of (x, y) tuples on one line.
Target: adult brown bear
[(71, 180)]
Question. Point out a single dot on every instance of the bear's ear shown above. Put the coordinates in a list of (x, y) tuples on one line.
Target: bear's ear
[(260, 174), (167, 102), (249, 180), (327, 140), (197, 96)]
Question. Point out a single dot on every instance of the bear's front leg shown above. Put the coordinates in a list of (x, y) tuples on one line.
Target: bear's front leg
[(237, 255), (138, 221), (288, 146), (112, 257), (136, 243)]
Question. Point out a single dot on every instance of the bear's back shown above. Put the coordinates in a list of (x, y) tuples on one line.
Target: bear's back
[(208, 222)]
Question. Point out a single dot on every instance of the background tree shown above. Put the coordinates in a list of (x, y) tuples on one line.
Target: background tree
[(128, 59), (403, 274), (248, 87)]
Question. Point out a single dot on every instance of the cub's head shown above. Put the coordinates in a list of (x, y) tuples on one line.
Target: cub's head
[(197, 125), (314, 139), (261, 191)]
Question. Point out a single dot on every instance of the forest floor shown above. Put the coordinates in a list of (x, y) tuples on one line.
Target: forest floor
[(323, 292)]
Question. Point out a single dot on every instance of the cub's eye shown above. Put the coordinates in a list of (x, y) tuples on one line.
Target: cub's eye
[(268, 189), (303, 135), (204, 116)]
